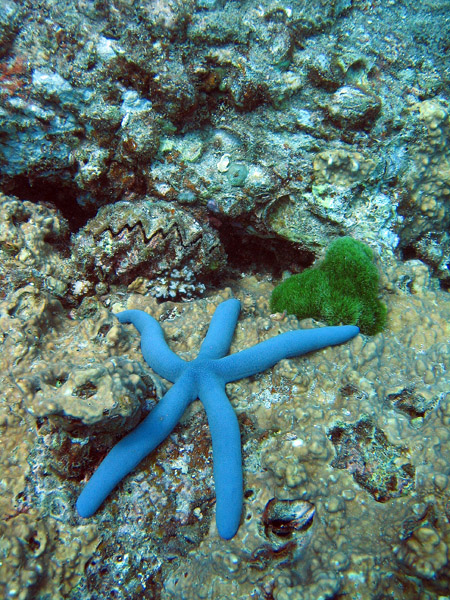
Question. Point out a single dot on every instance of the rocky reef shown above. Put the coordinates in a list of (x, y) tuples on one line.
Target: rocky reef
[(166, 156)]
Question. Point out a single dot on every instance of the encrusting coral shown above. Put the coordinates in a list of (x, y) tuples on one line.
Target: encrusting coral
[(203, 378)]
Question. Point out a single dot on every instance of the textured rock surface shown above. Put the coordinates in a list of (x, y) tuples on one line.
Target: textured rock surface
[(287, 417), (353, 108), (30, 237), (103, 105), (426, 208), (276, 127), (82, 389)]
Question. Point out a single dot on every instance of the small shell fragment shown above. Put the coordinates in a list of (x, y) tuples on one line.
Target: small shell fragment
[(224, 163)]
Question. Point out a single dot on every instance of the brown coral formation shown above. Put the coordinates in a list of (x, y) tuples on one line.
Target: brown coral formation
[(29, 235), (341, 167), (74, 375), (118, 383), (39, 554), (42, 557), (429, 183), (426, 207), (394, 382)]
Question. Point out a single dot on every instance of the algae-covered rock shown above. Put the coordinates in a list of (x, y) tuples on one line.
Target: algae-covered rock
[(351, 107)]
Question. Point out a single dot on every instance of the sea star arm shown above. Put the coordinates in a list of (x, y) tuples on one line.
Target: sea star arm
[(221, 330), (292, 343), (227, 459), (155, 350), (135, 446), (205, 378)]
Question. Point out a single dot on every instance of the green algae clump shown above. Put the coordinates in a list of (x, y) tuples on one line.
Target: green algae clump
[(341, 289)]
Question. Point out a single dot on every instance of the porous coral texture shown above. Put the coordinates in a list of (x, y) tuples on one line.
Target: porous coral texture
[(29, 235), (167, 133), (388, 392), (341, 167), (426, 206)]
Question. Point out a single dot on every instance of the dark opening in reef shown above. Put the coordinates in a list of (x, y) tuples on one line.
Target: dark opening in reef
[(409, 253), (54, 193), (253, 254)]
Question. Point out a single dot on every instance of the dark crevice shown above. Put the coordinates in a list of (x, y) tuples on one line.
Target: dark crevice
[(409, 253), (54, 193), (264, 255), (445, 285)]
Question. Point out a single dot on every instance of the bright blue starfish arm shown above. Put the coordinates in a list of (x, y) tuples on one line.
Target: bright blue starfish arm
[(227, 459), (155, 350), (221, 330), (293, 343), (205, 377), (135, 446)]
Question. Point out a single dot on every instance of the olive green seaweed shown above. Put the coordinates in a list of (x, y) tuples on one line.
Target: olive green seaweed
[(343, 288)]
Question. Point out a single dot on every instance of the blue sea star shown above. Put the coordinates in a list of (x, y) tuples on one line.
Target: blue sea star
[(203, 378)]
